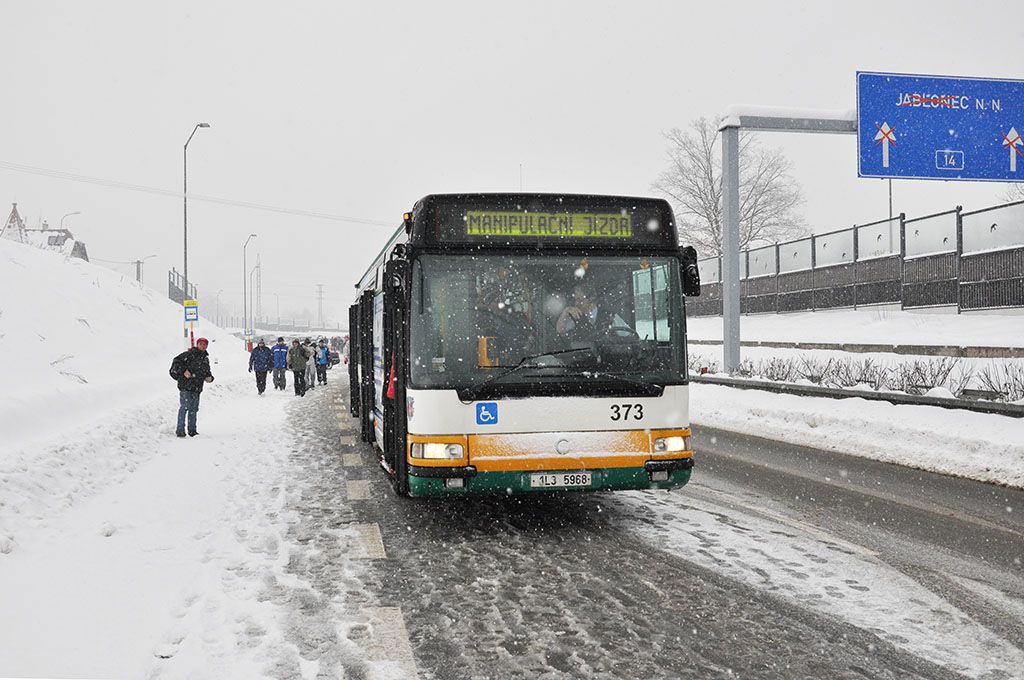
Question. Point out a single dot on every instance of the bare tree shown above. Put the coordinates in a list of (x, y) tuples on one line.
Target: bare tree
[(1014, 192), (769, 196)]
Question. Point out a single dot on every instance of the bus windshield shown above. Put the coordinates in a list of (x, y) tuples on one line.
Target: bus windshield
[(474, 317)]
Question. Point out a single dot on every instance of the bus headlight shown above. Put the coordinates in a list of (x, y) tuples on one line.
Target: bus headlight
[(671, 444), (436, 450)]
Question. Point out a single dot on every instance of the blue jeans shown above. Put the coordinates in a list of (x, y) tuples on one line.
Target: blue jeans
[(188, 404)]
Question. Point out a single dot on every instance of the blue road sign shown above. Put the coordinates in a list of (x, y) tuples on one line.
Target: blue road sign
[(934, 127), (191, 314), (487, 413)]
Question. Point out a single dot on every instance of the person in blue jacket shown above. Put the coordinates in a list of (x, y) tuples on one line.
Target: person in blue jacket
[(280, 364), (261, 360), (323, 359)]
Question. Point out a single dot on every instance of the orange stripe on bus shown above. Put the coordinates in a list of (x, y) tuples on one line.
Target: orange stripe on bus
[(559, 450)]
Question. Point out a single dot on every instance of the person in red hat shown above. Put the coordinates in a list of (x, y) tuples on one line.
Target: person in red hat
[(191, 369)]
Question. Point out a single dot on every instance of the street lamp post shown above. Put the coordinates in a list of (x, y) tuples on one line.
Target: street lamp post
[(245, 272), (184, 195), (252, 294), (217, 313), (77, 212)]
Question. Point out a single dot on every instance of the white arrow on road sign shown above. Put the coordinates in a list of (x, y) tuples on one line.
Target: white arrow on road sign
[(1011, 139), (885, 138)]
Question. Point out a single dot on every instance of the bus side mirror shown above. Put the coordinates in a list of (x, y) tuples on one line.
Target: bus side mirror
[(689, 272), (395, 272)]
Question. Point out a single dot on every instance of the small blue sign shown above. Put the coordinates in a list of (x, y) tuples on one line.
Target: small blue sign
[(191, 314), (935, 127), (487, 413)]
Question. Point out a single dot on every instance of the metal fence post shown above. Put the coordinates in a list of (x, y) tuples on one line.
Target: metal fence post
[(814, 282), (778, 273), (856, 256), (959, 255), (903, 257)]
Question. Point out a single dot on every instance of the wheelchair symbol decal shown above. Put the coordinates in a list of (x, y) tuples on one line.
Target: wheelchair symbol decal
[(487, 413)]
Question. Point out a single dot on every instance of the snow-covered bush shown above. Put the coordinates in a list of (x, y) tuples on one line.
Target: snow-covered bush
[(1006, 378)]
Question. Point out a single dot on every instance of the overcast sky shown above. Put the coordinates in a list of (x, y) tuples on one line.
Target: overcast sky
[(359, 109)]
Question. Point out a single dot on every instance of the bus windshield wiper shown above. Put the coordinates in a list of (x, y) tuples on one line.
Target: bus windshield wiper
[(474, 390), (653, 389)]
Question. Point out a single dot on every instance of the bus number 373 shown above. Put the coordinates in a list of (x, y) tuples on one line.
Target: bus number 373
[(623, 411)]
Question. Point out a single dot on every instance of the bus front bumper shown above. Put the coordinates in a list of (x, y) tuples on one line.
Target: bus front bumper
[(467, 480)]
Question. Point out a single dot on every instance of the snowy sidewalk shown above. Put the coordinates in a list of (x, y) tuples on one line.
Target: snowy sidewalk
[(112, 563), (139, 554)]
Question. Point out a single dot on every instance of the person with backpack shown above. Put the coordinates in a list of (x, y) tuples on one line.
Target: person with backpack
[(191, 369), (297, 359), (280, 351), (261, 359), (310, 350), (323, 360)]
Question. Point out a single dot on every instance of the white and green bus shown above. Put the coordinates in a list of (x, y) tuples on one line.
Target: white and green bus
[(515, 343)]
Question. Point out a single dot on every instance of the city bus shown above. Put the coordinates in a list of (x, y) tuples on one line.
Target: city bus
[(517, 343)]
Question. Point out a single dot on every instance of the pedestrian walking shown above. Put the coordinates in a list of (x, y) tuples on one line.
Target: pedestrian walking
[(280, 364), (323, 360), (261, 360), (191, 369), (310, 363), (297, 359)]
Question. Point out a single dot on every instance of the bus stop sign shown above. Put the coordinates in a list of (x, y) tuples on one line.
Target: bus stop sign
[(191, 310), (934, 127)]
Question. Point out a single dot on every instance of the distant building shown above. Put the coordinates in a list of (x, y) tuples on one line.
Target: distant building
[(57, 240)]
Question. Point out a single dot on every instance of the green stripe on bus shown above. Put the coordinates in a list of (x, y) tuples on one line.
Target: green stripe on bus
[(618, 479)]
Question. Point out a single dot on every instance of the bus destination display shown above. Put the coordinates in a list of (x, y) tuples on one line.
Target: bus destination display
[(548, 224)]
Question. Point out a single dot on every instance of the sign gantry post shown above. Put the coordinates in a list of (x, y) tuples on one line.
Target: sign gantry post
[(761, 118)]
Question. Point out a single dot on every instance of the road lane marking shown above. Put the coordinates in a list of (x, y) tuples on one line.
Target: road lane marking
[(357, 489), (350, 459), (388, 646), (371, 542)]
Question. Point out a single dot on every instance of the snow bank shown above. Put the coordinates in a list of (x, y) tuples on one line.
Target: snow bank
[(980, 446), (84, 346), (80, 339)]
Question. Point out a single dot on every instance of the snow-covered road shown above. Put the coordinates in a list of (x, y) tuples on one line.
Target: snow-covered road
[(271, 546)]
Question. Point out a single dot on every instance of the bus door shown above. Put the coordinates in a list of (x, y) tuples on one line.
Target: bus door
[(395, 353), (353, 360), (366, 365)]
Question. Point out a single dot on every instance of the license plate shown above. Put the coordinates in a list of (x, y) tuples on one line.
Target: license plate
[(561, 479)]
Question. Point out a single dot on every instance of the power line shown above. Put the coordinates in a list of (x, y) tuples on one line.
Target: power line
[(114, 184), (96, 259)]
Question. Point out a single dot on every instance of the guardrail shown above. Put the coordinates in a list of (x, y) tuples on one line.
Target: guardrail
[(955, 351), (993, 407)]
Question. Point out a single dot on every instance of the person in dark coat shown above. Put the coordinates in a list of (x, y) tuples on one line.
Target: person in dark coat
[(280, 364), (297, 358), (191, 369), (261, 360)]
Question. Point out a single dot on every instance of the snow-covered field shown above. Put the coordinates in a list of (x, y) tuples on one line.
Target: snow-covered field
[(979, 446), (873, 325)]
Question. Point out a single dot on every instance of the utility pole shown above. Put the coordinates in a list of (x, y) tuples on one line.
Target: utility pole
[(320, 304)]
